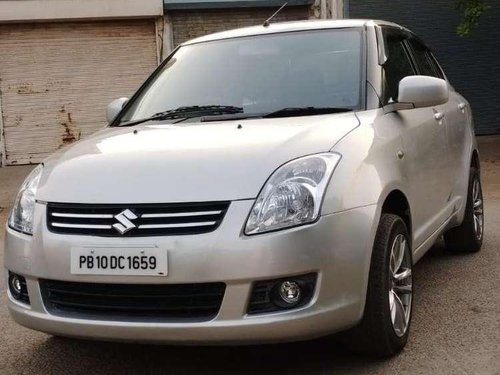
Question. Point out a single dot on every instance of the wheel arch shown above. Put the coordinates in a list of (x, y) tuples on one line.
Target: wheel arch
[(392, 200), (475, 162), (397, 203)]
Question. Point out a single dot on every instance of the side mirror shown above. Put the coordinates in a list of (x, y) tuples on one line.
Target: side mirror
[(423, 91), (114, 108)]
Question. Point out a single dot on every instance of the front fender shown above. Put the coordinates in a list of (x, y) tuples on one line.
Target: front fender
[(369, 169)]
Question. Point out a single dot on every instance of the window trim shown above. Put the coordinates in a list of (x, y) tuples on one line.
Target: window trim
[(438, 66)]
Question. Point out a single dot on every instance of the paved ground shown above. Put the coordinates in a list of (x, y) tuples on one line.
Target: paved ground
[(456, 326)]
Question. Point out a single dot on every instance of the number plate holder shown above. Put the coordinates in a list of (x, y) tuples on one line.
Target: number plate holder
[(126, 261)]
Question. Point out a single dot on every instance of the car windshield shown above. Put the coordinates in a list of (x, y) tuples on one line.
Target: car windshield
[(258, 74)]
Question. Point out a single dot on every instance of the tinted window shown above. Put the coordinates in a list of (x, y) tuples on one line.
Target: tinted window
[(425, 63), (398, 64), (260, 74), (436, 65)]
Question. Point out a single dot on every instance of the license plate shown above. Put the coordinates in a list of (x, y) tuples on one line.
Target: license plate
[(133, 261)]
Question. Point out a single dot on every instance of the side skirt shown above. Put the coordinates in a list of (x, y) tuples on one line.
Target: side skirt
[(420, 251)]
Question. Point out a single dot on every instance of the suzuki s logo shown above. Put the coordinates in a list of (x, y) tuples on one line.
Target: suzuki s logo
[(124, 224)]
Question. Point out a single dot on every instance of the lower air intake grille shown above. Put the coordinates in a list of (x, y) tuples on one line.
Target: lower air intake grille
[(133, 302), (135, 220)]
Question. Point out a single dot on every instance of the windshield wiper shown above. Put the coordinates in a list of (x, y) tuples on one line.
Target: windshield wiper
[(211, 113), (284, 112), (187, 112), (304, 111)]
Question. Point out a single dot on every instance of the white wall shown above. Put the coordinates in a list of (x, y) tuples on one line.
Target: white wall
[(60, 10)]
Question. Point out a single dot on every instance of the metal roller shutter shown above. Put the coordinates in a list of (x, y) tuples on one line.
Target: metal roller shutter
[(471, 63), (56, 80)]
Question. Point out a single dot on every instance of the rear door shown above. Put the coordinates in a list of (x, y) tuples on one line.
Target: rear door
[(424, 142)]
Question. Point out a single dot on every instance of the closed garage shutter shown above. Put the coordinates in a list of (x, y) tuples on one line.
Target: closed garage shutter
[(56, 80), (471, 63)]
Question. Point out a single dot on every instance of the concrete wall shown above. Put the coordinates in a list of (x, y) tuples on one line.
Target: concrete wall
[(188, 24)]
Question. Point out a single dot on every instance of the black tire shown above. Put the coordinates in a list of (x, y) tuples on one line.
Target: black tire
[(465, 238), (376, 335)]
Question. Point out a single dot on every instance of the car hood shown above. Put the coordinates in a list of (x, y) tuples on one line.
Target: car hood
[(185, 163)]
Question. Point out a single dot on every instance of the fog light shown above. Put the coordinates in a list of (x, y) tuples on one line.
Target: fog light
[(17, 287), (290, 292), (286, 293)]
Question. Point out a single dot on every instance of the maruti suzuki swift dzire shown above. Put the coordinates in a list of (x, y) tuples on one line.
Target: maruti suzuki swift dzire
[(272, 183)]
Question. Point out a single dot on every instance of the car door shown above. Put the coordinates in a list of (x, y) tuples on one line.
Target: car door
[(424, 142), (453, 118), (455, 121), (458, 118)]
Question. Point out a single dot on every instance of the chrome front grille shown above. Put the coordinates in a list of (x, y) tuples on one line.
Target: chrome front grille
[(135, 220)]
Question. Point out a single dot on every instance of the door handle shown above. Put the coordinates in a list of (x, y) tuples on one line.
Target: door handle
[(438, 116), (462, 106)]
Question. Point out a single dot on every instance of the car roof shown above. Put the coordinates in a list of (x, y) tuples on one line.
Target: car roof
[(283, 27)]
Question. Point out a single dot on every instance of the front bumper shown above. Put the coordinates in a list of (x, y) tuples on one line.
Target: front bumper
[(337, 247)]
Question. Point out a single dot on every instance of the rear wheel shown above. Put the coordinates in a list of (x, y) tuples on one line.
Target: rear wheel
[(385, 326), (468, 237)]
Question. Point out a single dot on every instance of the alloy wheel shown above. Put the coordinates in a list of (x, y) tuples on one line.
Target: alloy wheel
[(400, 287), (477, 197)]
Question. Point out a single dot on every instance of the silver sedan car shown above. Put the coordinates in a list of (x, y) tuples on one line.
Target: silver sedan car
[(266, 184)]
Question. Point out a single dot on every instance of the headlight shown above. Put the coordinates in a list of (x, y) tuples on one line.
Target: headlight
[(293, 194), (21, 217)]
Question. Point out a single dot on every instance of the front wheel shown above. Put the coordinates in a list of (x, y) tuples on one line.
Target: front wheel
[(385, 326)]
